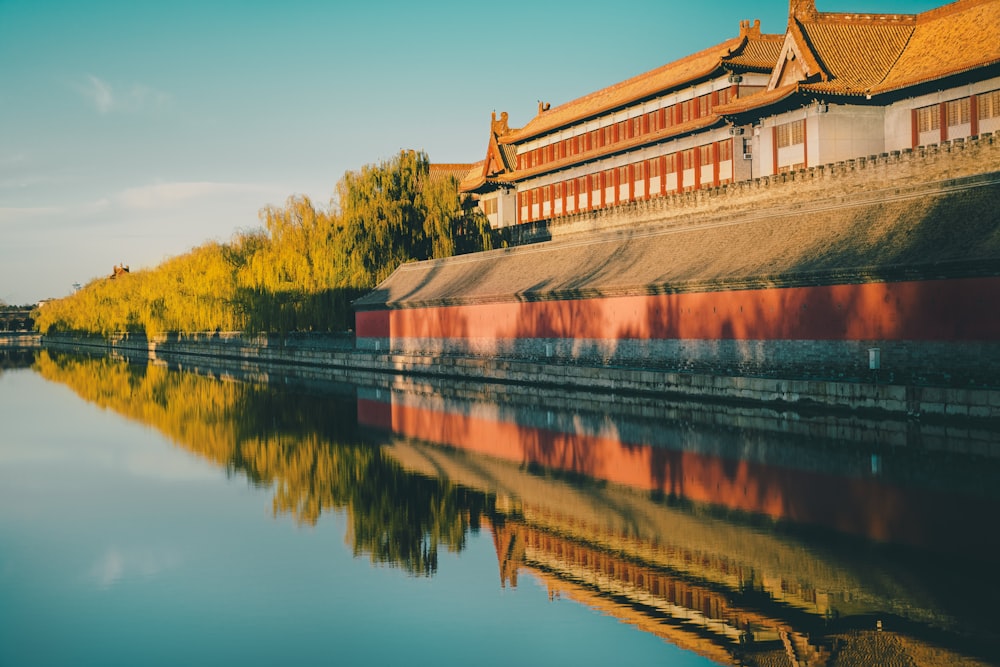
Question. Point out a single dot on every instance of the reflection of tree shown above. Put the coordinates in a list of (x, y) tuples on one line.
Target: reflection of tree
[(301, 444), (16, 357), (401, 518)]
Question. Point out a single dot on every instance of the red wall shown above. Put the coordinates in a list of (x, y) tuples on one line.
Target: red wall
[(858, 505), (935, 310)]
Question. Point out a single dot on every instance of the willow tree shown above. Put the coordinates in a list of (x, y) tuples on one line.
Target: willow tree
[(300, 272)]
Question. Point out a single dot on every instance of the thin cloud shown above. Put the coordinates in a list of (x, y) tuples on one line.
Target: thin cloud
[(144, 198), (164, 195), (107, 98)]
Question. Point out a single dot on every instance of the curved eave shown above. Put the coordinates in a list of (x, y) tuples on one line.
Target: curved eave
[(515, 137), (481, 186), (672, 132), (895, 86), (759, 101), (831, 89), (471, 185), (648, 85)]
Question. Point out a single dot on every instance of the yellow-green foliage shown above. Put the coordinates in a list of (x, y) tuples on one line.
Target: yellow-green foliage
[(299, 273), (298, 444)]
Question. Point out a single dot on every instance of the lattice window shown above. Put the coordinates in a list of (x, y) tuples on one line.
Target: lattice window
[(957, 112), (988, 104), (791, 134), (725, 151), (928, 118), (704, 105)]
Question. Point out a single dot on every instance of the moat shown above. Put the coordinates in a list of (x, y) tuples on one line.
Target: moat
[(168, 512)]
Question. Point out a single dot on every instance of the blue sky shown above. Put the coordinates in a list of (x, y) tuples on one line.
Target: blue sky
[(133, 131)]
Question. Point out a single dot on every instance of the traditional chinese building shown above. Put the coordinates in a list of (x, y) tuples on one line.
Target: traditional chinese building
[(833, 87), (787, 204)]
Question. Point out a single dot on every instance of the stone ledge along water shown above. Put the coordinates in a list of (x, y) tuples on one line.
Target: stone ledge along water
[(969, 404)]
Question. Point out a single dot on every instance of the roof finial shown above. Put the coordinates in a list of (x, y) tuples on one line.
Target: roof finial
[(750, 30), (801, 10)]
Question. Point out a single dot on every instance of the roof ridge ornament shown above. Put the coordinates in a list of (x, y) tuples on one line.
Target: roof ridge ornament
[(499, 127), (750, 30), (802, 10)]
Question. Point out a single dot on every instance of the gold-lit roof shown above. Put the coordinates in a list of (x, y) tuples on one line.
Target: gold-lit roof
[(949, 40), (749, 50), (871, 54)]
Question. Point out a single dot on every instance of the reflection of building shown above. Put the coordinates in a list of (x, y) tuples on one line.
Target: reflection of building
[(834, 87), (756, 464), (776, 204), (704, 571)]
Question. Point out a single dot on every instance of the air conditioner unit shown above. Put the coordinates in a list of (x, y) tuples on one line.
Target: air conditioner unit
[(735, 131), (748, 156)]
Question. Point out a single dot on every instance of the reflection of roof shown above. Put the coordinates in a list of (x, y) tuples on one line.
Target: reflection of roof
[(891, 234), (750, 50), (670, 571)]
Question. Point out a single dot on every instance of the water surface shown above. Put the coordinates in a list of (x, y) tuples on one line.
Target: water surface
[(163, 515)]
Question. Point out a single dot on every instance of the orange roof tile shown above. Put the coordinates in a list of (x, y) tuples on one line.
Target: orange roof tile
[(757, 101), (441, 170), (867, 54), (758, 53), (747, 51), (473, 178), (948, 40), (858, 55)]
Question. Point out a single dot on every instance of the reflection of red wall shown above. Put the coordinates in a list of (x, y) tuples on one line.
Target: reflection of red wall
[(942, 310), (864, 506)]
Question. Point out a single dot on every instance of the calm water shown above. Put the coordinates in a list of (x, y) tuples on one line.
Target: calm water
[(155, 515)]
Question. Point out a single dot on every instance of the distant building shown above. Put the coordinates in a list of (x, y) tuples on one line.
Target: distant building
[(833, 87)]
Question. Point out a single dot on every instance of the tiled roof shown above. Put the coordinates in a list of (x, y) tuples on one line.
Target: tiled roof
[(746, 51), (948, 40), (473, 178), (459, 171), (758, 54), (509, 154), (868, 54), (769, 97), (857, 55)]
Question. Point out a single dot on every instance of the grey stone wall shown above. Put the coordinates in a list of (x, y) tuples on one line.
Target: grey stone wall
[(977, 408), (958, 158)]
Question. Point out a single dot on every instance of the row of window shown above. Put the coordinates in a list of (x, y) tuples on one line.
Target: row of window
[(626, 130), (635, 176), (958, 112), (790, 134)]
